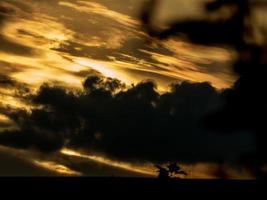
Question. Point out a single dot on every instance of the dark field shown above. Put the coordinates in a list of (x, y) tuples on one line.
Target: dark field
[(132, 187)]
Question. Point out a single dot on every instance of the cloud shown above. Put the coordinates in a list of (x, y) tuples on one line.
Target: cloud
[(93, 7), (11, 94), (128, 7), (135, 123), (7, 45), (15, 48), (36, 62), (6, 81), (246, 102), (55, 42)]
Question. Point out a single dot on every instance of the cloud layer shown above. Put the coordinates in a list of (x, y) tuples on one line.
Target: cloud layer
[(135, 123), (60, 33)]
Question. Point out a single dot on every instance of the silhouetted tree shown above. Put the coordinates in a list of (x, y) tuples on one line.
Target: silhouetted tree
[(171, 170), (163, 173), (174, 169)]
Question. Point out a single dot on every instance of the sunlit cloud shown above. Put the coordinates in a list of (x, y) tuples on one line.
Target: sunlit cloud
[(197, 53), (11, 101), (168, 70), (93, 7), (5, 123), (46, 33), (58, 168), (44, 69), (183, 69), (40, 31), (148, 170), (36, 159), (3, 118)]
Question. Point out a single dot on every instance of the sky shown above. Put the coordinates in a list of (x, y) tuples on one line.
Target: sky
[(61, 43)]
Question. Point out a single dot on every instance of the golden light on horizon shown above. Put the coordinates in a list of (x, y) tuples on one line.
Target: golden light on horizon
[(194, 171), (147, 170), (58, 168), (57, 164)]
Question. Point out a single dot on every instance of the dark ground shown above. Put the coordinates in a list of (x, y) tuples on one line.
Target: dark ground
[(86, 187)]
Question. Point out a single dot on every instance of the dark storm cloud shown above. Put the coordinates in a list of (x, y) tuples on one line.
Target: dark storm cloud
[(136, 123), (246, 105), (201, 31)]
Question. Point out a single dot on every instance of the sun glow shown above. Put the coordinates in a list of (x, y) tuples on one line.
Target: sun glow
[(96, 66)]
